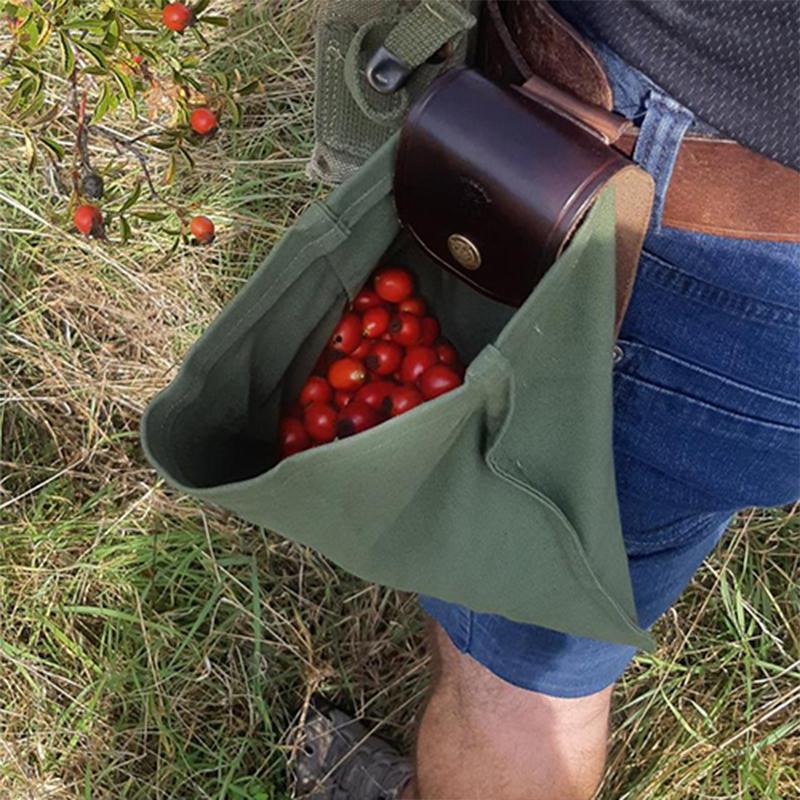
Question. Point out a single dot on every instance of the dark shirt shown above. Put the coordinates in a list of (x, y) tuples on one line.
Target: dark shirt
[(734, 63)]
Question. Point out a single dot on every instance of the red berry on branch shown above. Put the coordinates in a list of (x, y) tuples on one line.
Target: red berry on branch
[(177, 16), (292, 437), (394, 284), (316, 390), (375, 322), (202, 229), (138, 58), (405, 329), (320, 422), (357, 417), (416, 361), (384, 357), (347, 336), (203, 120), (437, 380), (347, 374), (403, 399), (88, 220)]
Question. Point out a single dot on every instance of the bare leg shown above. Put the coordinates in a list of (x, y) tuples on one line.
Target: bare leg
[(481, 737)]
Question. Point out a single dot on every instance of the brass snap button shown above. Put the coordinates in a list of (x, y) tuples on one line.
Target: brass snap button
[(464, 251)]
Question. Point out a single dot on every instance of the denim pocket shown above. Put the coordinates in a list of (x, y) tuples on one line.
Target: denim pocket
[(726, 444)]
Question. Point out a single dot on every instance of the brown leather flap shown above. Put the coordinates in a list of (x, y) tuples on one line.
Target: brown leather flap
[(492, 182)]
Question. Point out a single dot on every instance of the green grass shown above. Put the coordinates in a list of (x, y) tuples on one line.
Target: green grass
[(153, 647)]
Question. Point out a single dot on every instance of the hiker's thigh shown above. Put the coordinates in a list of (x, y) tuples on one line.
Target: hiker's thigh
[(706, 422)]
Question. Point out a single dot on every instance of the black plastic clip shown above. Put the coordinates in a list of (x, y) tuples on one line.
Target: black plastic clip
[(386, 73)]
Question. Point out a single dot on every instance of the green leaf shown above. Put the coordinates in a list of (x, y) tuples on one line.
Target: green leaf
[(21, 94), (235, 111), (36, 101), (67, 53), (111, 39), (125, 229), (104, 103), (132, 197), (30, 151), (94, 51), (223, 79), (220, 22), (125, 82), (251, 87), (151, 216), (53, 146), (52, 113), (200, 7), (91, 25), (172, 166), (187, 157), (138, 18)]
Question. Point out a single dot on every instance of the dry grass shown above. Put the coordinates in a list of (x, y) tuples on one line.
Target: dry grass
[(151, 647)]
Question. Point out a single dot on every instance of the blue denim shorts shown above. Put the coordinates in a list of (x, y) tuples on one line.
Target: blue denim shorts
[(706, 414)]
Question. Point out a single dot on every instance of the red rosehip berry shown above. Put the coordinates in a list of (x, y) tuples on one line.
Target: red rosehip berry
[(316, 390), (177, 16), (416, 361), (342, 399), (365, 299), (347, 374), (384, 357), (357, 417), (413, 305), (403, 399), (394, 284), (203, 121), (138, 58), (430, 331), (446, 353), (88, 220), (292, 437), (405, 329), (362, 351), (320, 422), (437, 380), (376, 394), (347, 336), (202, 229), (375, 322)]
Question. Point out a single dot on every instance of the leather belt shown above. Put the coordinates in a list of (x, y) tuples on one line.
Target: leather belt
[(717, 186)]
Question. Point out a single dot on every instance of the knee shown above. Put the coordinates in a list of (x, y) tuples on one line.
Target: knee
[(480, 697), (522, 744)]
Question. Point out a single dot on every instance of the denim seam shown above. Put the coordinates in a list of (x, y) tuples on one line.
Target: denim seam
[(775, 426), (630, 344), (670, 539), (660, 273), (575, 689)]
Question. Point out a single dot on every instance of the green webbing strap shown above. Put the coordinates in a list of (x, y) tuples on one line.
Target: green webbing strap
[(417, 36), (423, 31), (382, 109)]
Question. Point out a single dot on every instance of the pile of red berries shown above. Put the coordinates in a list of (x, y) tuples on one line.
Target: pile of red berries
[(385, 357)]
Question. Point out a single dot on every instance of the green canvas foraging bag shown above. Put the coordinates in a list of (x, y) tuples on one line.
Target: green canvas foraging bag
[(499, 495)]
